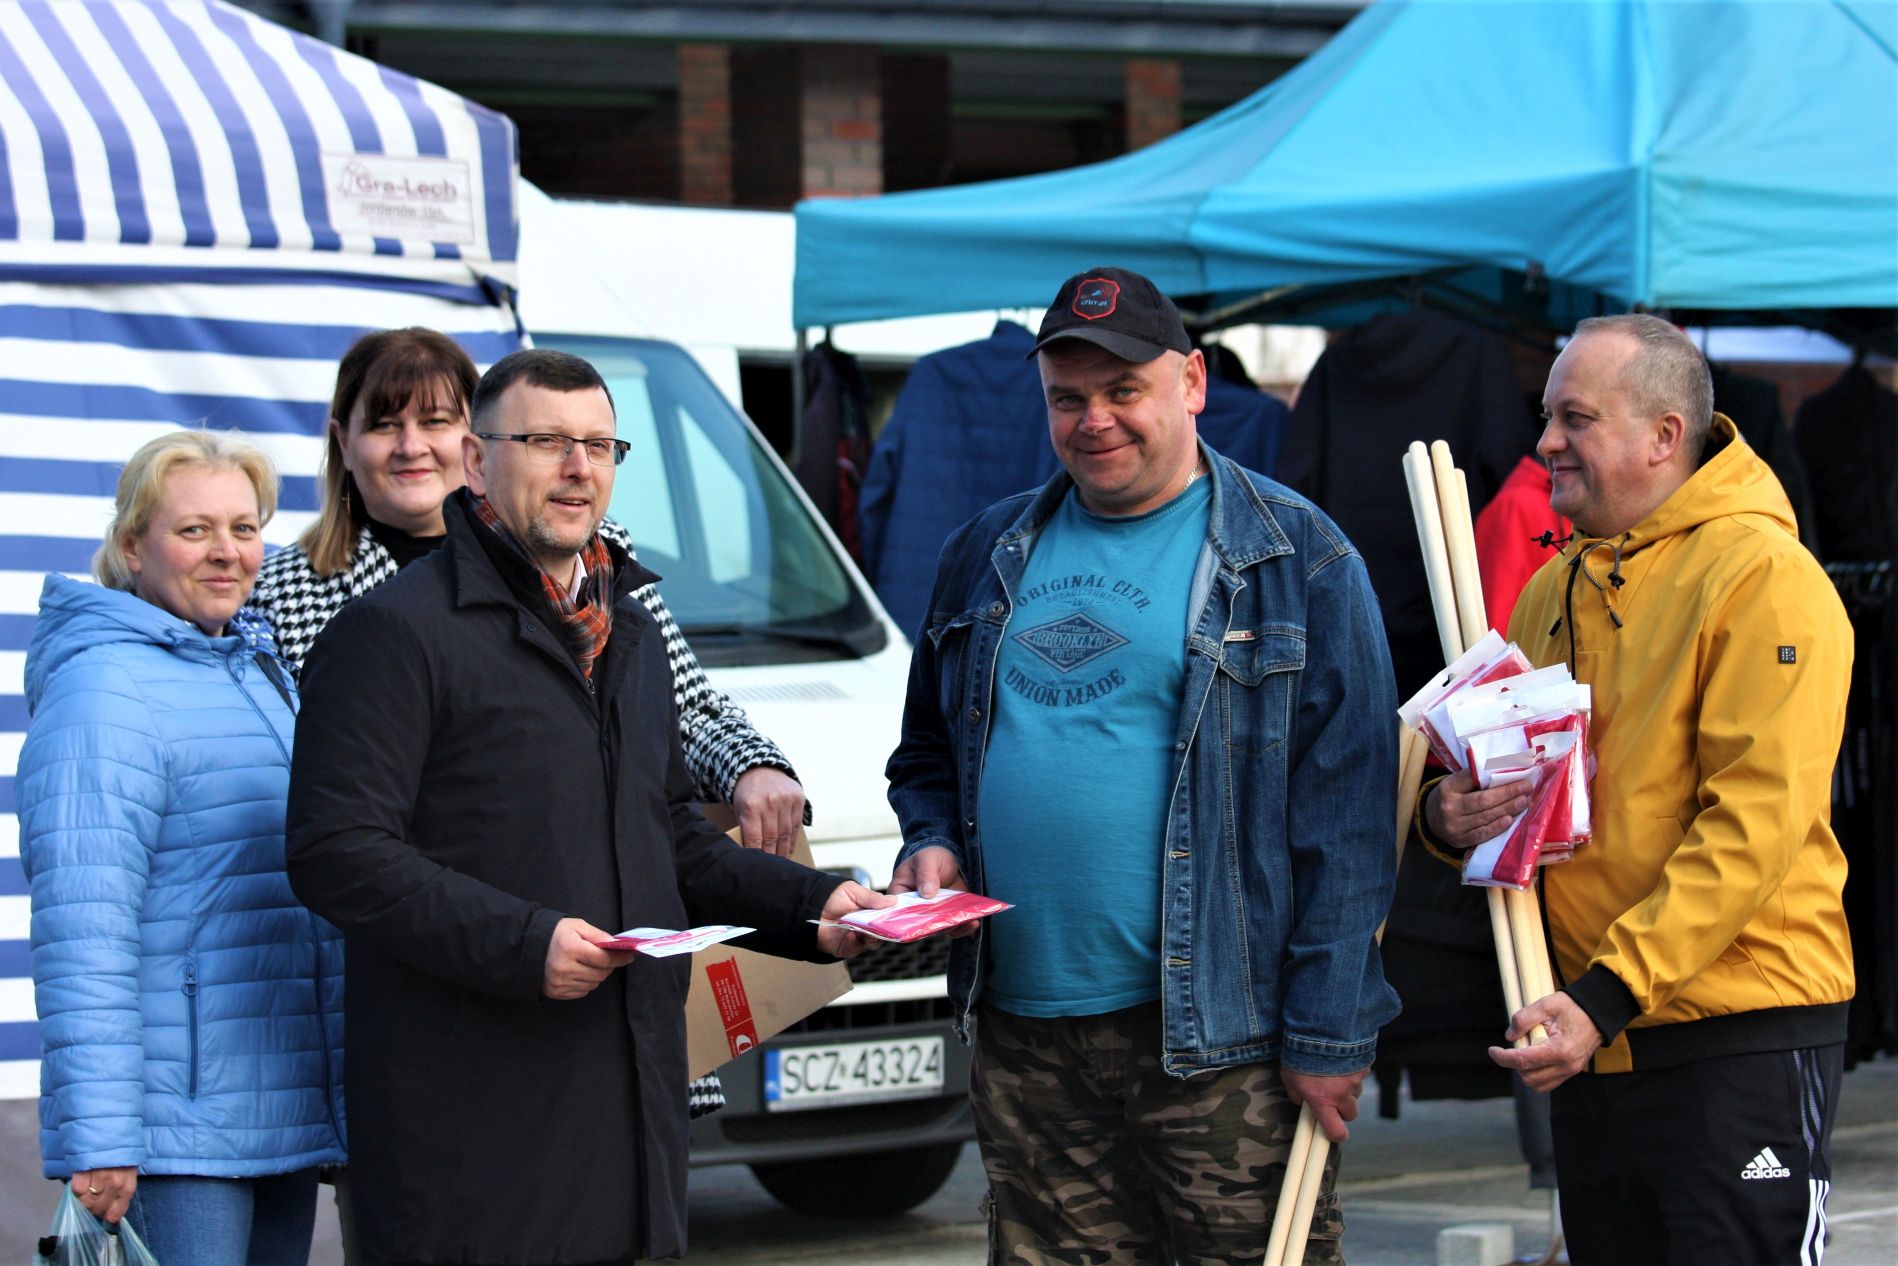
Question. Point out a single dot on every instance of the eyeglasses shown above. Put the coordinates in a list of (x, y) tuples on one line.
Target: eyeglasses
[(550, 449)]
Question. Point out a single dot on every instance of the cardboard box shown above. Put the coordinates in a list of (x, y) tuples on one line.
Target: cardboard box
[(739, 997)]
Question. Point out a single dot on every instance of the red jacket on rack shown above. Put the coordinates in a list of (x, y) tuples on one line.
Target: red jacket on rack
[(1509, 538)]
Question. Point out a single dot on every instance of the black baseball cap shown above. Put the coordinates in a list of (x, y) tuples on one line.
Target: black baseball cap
[(1118, 310)]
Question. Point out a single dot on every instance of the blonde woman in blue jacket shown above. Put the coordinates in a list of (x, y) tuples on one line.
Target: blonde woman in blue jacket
[(190, 1007)]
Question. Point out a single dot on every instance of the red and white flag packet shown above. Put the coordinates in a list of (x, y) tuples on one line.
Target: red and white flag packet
[(664, 942), (915, 916), (1427, 712), (1492, 714)]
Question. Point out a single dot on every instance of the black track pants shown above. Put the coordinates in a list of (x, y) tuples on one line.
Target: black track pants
[(1724, 1160)]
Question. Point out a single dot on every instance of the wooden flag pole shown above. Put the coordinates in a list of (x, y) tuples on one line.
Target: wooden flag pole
[(1459, 542), (1440, 507), (1513, 908), (1427, 513), (1291, 1192), (1305, 1166)]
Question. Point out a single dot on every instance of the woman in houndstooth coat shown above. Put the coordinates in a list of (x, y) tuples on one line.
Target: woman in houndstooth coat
[(392, 455)]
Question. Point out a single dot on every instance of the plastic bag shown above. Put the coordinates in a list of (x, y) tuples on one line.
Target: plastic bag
[(76, 1238), (1540, 835)]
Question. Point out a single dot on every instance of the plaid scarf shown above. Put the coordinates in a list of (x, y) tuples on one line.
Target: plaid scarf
[(585, 624)]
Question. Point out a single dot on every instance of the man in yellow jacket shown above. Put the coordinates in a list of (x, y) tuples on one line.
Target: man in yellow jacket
[(1696, 1048)]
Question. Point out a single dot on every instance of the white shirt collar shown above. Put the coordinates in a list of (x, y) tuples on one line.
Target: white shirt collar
[(579, 578)]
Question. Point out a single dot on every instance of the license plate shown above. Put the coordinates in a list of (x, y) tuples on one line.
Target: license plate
[(851, 1072)]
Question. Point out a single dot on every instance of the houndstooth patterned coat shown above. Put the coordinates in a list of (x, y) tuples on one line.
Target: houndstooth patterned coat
[(719, 741)]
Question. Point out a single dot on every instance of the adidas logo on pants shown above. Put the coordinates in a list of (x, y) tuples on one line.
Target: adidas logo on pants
[(1765, 1165), (1653, 1164)]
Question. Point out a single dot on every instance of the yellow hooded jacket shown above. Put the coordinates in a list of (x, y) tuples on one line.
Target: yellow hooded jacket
[(1706, 912)]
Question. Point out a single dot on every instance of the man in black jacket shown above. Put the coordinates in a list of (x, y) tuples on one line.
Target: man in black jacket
[(487, 778)]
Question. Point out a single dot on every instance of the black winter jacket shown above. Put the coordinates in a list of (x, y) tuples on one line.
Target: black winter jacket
[(458, 788)]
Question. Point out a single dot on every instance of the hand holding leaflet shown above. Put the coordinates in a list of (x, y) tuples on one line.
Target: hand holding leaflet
[(664, 943), (915, 916)]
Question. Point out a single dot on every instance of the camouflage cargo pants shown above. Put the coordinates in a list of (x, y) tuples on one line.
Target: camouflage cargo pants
[(1095, 1155)]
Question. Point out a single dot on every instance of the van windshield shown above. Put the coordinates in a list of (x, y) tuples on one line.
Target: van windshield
[(744, 567)]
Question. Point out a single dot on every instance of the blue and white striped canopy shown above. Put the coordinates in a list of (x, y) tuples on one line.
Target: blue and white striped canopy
[(195, 126), (199, 211)]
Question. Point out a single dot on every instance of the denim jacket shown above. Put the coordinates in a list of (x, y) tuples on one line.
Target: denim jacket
[(1279, 861)]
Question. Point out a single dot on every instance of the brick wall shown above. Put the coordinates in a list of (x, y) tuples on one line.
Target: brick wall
[(1153, 99), (766, 166), (601, 151), (806, 122), (994, 147), (705, 124), (842, 120)]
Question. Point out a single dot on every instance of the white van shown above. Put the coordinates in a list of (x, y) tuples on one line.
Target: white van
[(713, 280), (786, 626)]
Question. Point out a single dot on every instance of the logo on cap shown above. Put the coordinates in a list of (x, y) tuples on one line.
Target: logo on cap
[(1095, 298)]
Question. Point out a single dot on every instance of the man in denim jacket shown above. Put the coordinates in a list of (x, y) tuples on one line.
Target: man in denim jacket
[(1153, 708)]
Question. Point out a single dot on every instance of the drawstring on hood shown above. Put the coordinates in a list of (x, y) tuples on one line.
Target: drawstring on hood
[(1578, 566), (1580, 563)]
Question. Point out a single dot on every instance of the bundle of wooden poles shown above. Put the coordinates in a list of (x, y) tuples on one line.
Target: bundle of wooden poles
[(1440, 504)]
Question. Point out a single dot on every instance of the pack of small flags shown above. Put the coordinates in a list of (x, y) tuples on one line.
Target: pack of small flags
[(1493, 713)]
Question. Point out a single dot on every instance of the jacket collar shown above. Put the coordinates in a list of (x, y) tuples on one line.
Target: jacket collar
[(77, 616), (1243, 530), (477, 582)]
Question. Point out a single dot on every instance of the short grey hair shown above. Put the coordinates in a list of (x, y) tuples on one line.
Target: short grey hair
[(1667, 375)]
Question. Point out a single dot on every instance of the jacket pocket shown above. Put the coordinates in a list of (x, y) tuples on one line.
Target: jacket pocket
[(1257, 678), (191, 1027), (1248, 655)]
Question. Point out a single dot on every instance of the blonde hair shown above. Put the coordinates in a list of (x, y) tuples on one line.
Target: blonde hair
[(384, 372), (142, 484)]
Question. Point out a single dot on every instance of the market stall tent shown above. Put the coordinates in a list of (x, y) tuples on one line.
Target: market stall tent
[(199, 211), (1734, 155)]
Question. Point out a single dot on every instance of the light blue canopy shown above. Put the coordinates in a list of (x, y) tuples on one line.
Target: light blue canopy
[(1683, 156)]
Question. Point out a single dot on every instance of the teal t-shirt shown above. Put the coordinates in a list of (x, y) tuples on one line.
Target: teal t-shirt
[(1076, 779)]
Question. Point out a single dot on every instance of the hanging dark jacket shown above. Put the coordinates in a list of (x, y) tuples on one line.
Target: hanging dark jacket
[(1753, 404), (457, 788), (833, 439), (1403, 376), (1848, 437)]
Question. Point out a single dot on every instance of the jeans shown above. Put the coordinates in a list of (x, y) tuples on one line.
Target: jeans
[(190, 1221)]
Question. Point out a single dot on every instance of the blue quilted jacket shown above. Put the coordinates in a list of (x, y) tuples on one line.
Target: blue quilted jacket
[(191, 1009)]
